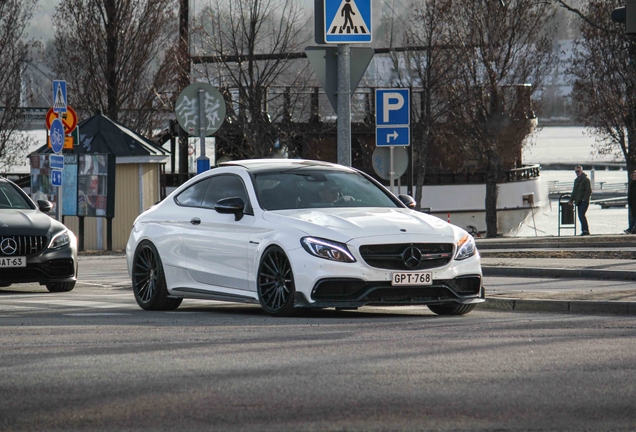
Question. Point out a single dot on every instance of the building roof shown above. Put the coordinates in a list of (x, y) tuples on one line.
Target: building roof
[(101, 135)]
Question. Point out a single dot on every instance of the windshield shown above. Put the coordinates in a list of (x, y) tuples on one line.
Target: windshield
[(10, 198), (318, 188)]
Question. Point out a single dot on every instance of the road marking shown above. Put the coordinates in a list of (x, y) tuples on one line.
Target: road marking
[(81, 303), (96, 314)]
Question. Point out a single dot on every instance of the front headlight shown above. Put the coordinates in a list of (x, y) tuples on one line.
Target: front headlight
[(465, 247), (61, 239), (327, 249)]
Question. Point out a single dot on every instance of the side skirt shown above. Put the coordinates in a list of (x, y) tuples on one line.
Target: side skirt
[(213, 295)]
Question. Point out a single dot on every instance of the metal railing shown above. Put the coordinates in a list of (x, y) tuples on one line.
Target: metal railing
[(599, 189)]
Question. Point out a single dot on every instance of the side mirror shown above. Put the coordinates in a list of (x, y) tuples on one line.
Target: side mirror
[(407, 201), (45, 206), (231, 205)]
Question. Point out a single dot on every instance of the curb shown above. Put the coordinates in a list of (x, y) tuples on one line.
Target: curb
[(554, 245), (558, 273), (571, 306)]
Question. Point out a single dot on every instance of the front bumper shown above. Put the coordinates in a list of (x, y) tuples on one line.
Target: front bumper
[(48, 267), (349, 292)]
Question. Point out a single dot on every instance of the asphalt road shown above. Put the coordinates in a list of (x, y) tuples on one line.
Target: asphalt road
[(92, 360)]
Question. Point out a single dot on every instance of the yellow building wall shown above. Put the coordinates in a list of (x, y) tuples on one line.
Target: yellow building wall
[(127, 206)]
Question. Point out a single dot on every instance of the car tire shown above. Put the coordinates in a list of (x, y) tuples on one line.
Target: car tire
[(275, 284), (459, 309), (149, 281), (61, 287)]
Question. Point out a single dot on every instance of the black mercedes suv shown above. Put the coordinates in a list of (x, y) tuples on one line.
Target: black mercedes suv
[(33, 246)]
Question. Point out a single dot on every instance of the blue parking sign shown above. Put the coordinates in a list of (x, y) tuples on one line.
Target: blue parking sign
[(392, 107), (392, 117)]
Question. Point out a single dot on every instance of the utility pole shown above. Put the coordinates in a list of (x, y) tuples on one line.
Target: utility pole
[(184, 81)]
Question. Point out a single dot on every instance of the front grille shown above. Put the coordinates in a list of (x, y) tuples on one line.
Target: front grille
[(27, 245), (60, 268), (338, 291), (51, 270), (338, 288), (400, 256), (465, 285), (409, 294)]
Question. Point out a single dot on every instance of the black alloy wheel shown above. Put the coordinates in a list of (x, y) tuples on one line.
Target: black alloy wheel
[(457, 309), (149, 281), (276, 284)]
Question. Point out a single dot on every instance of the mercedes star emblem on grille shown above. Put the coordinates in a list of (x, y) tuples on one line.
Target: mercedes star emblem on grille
[(412, 257), (8, 246)]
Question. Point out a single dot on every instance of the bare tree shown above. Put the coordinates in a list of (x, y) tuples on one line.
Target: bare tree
[(604, 80), (434, 70), (14, 17), (117, 56), (504, 46), (238, 35)]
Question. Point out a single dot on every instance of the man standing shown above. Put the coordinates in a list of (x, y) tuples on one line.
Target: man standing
[(581, 193)]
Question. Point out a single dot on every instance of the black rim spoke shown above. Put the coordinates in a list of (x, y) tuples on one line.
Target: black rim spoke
[(145, 274), (275, 280)]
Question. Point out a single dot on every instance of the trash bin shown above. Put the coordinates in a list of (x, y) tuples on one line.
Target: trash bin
[(567, 213)]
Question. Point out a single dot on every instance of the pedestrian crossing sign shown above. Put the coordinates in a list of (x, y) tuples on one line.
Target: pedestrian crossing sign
[(59, 96), (348, 21)]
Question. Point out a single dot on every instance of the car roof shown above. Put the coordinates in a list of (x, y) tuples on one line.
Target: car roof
[(265, 165)]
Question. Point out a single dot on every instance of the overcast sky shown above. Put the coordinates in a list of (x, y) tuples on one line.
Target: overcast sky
[(41, 27)]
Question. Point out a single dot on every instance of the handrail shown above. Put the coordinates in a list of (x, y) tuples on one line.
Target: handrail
[(556, 186)]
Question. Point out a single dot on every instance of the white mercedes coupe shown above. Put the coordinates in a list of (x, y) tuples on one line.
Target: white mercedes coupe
[(295, 234)]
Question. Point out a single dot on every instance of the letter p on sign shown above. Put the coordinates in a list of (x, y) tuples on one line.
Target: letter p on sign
[(392, 107), (392, 102)]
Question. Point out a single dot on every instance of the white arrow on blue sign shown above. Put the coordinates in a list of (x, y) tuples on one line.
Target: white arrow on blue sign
[(56, 178), (392, 136), (392, 117)]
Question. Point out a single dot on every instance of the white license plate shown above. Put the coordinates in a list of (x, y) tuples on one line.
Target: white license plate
[(13, 262), (403, 278)]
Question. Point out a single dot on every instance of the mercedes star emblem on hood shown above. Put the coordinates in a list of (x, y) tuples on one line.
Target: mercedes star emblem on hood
[(8, 246)]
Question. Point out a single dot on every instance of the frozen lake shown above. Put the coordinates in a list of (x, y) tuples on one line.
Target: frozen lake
[(572, 145)]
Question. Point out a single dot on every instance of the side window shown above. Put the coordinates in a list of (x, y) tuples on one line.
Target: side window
[(224, 186), (193, 195), (11, 198)]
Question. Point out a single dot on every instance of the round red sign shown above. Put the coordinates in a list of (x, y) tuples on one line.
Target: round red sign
[(69, 119)]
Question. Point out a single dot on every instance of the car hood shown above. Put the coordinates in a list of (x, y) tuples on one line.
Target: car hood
[(353, 223), (27, 222)]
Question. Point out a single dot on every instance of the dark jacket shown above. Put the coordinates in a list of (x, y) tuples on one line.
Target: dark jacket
[(631, 195), (582, 190)]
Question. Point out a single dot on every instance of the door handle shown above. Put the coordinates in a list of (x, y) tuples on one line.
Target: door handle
[(195, 221)]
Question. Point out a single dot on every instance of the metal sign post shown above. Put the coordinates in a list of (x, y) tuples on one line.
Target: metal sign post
[(203, 162), (344, 105), (341, 22), (59, 106)]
